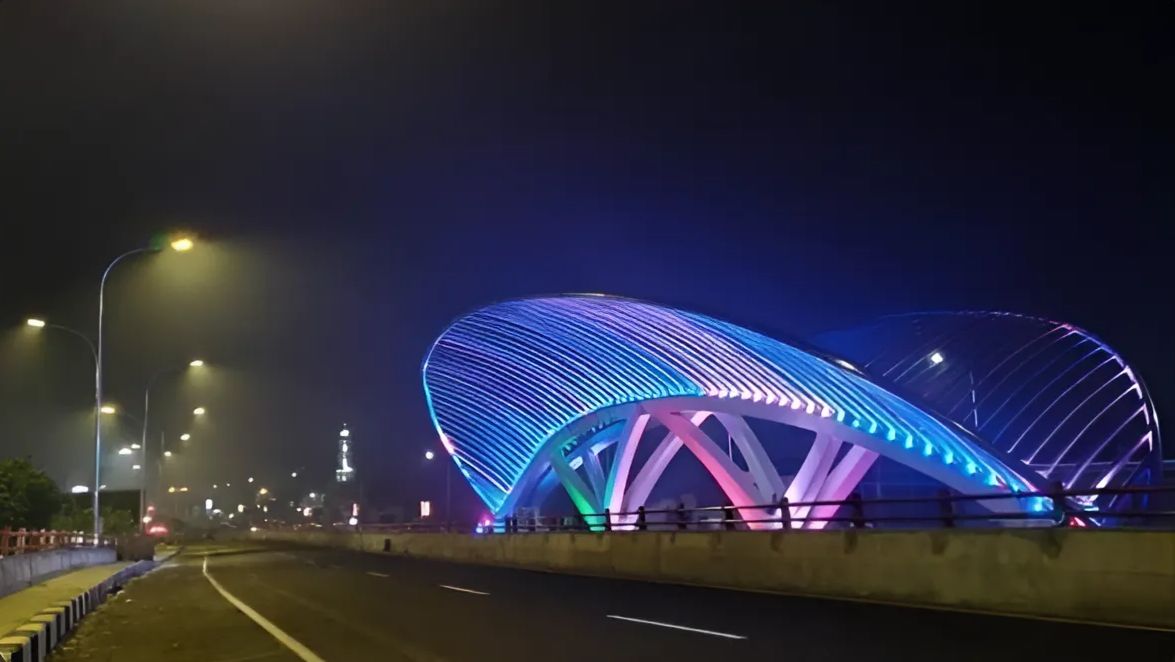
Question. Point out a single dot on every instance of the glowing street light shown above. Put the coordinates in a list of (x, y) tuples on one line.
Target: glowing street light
[(428, 455), (214, 486), (937, 358), (185, 436), (240, 507), (250, 479), (263, 491), (124, 451), (293, 474), (182, 244), (79, 489), (136, 467), (35, 323), (171, 490), (198, 411), (184, 488), (166, 453), (108, 409), (136, 446), (197, 363)]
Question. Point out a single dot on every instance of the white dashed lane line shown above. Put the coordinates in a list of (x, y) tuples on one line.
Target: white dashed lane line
[(712, 633), (378, 574), (463, 590)]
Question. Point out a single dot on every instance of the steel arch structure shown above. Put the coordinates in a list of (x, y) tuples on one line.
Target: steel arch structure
[(1052, 396), (530, 394)]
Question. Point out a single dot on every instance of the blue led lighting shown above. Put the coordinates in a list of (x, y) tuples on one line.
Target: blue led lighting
[(501, 381)]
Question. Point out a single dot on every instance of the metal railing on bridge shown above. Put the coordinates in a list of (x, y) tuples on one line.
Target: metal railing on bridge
[(21, 541), (1040, 509)]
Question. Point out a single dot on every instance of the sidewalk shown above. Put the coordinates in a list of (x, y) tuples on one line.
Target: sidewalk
[(16, 609)]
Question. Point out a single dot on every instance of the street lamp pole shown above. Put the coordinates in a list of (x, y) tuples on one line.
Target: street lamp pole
[(179, 245), (98, 388)]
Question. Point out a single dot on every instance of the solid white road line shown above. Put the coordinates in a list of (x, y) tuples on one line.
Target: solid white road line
[(286, 640), (377, 574), (463, 590), (671, 626)]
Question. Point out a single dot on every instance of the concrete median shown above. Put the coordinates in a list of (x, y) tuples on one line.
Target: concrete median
[(1124, 577)]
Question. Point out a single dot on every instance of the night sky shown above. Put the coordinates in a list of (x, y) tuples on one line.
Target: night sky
[(360, 173)]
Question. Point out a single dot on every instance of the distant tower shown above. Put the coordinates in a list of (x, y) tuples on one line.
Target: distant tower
[(345, 473)]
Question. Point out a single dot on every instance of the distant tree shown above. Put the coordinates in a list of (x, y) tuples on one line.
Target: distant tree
[(28, 497)]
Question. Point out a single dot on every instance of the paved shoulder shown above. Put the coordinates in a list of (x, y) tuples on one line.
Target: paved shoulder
[(172, 614)]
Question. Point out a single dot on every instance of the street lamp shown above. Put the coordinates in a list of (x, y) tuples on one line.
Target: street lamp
[(179, 244), (108, 409), (429, 455), (125, 451), (198, 411), (166, 453), (185, 436), (196, 363), (38, 324)]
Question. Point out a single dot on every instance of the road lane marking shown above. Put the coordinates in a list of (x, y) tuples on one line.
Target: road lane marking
[(284, 639), (463, 590), (712, 633), (378, 574)]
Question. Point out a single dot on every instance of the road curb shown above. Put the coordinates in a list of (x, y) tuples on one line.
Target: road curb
[(32, 641)]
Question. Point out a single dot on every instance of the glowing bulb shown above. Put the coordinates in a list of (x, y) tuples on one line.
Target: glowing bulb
[(183, 244), (198, 411), (108, 409), (124, 451), (936, 358), (35, 323), (197, 363), (185, 436), (428, 455)]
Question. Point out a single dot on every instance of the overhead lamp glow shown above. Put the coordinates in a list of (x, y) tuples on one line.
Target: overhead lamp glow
[(250, 479), (197, 363), (136, 467), (185, 436), (166, 453), (171, 490), (428, 455), (124, 451), (344, 432), (198, 411), (240, 507), (108, 409), (263, 491), (136, 446), (184, 489), (182, 244), (79, 489), (936, 358), (35, 323), (293, 474)]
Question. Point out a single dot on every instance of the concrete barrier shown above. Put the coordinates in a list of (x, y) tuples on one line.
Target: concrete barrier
[(1114, 576), (23, 570)]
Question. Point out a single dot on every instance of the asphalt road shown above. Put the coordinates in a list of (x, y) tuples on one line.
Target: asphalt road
[(349, 606)]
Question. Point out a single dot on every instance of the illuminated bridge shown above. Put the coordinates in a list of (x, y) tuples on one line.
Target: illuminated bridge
[(599, 394)]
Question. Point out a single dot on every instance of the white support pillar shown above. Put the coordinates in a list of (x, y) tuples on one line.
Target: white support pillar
[(767, 479), (813, 472), (638, 490), (616, 484), (735, 482), (841, 482)]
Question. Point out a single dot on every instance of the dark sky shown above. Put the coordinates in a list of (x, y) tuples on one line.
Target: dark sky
[(361, 173)]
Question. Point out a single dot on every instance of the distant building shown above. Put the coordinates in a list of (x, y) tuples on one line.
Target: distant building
[(345, 471)]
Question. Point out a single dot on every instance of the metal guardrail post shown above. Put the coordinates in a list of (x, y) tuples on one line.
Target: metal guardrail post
[(785, 513), (641, 524), (854, 502), (728, 518), (682, 517), (607, 520), (947, 508)]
